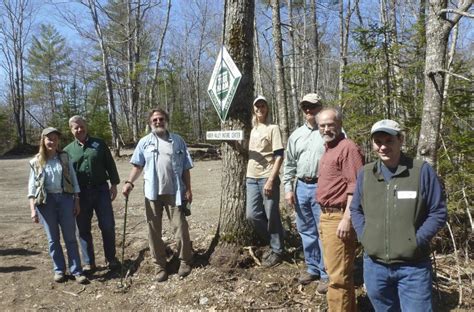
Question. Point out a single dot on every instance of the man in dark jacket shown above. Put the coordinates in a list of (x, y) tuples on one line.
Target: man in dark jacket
[(397, 207), (95, 167)]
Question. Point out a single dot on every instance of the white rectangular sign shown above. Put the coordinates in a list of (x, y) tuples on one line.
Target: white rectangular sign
[(237, 135)]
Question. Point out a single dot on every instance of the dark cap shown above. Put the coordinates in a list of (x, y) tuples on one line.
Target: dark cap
[(49, 130)]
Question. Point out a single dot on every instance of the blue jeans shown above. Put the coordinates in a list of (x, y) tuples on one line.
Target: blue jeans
[(59, 212), (307, 222), (398, 287), (264, 213), (96, 199)]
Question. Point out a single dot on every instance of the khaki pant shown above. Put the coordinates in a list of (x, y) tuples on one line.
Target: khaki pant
[(154, 213), (339, 258)]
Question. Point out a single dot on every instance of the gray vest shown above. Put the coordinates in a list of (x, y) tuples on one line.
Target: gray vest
[(393, 213)]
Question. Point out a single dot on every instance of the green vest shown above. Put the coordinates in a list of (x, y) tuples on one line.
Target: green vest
[(40, 195), (393, 212)]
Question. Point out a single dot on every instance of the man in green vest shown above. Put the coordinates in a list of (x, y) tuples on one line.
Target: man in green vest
[(397, 207)]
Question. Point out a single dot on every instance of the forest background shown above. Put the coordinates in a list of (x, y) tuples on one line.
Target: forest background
[(111, 61)]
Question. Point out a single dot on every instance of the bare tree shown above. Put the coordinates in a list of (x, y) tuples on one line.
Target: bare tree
[(438, 28), (93, 6), (14, 29), (279, 71), (292, 59)]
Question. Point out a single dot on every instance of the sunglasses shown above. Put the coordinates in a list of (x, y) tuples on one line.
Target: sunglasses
[(309, 106)]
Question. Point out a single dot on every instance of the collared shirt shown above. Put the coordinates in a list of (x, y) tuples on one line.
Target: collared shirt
[(305, 148), (338, 172), (53, 177), (431, 193), (146, 155), (93, 162)]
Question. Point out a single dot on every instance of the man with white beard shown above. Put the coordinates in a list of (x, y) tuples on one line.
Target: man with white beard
[(336, 183), (165, 160)]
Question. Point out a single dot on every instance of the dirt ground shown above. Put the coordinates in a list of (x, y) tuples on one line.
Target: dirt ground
[(26, 268)]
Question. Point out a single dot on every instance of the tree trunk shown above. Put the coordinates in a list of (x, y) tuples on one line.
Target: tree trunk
[(437, 35), (315, 37), (108, 77), (294, 96), (238, 39), (279, 72)]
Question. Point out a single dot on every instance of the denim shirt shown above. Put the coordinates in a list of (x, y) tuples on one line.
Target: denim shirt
[(146, 156)]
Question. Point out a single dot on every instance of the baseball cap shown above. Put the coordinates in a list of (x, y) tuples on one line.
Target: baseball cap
[(49, 130), (386, 125), (260, 98), (311, 98)]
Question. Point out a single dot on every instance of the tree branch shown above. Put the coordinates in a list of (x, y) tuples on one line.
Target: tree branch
[(455, 12), (455, 75)]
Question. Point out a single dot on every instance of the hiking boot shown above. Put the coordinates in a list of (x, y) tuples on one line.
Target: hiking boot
[(161, 275), (89, 268), (306, 278), (81, 279), (184, 269), (322, 288), (272, 260), (59, 277), (114, 264)]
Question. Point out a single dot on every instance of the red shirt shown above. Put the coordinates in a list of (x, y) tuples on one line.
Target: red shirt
[(337, 174)]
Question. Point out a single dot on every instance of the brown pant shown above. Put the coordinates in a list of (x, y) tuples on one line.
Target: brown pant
[(154, 214), (339, 258)]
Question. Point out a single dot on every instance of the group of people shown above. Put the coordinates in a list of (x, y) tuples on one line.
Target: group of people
[(67, 185), (393, 206)]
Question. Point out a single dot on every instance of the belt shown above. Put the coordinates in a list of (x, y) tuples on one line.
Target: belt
[(308, 180), (332, 209)]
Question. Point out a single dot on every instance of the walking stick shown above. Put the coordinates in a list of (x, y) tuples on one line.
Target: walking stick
[(123, 239)]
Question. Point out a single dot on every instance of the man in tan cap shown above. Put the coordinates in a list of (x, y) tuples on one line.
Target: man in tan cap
[(305, 147)]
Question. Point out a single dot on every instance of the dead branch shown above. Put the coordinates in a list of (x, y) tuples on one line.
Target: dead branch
[(252, 254), (460, 299), (455, 12)]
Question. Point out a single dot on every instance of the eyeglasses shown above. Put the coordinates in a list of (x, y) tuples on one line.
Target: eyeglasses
[(158, 119)]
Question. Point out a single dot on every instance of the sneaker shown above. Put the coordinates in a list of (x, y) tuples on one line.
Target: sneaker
[(81, 279), (59, 277), (306, 278), (161, 275), (184, 269), (89, 268), (322, 288), (272, 260), (114, 264)]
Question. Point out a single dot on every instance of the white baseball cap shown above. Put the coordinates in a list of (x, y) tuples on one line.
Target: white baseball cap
[(386, 125)]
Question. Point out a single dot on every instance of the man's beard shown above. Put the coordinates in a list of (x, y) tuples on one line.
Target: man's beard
[(330, 137), (159, 130)]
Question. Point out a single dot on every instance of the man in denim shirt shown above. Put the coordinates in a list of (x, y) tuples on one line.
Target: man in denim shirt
[(165, 160)]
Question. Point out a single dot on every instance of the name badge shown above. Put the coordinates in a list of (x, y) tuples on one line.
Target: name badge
[(406, 194), (95, 145)]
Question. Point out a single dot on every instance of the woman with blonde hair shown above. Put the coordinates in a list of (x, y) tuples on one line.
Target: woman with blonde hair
[(53, 195), (263, 182)]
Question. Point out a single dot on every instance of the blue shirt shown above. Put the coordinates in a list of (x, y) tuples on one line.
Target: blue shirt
[(431, 193), (146, 156)]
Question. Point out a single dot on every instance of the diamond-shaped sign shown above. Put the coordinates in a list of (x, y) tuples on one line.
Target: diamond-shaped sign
[(224, 82)]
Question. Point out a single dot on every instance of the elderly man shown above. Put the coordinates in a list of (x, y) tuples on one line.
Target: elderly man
[(337, 180), (94, 165), (398, 207), (164, 158), (305, 148)]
